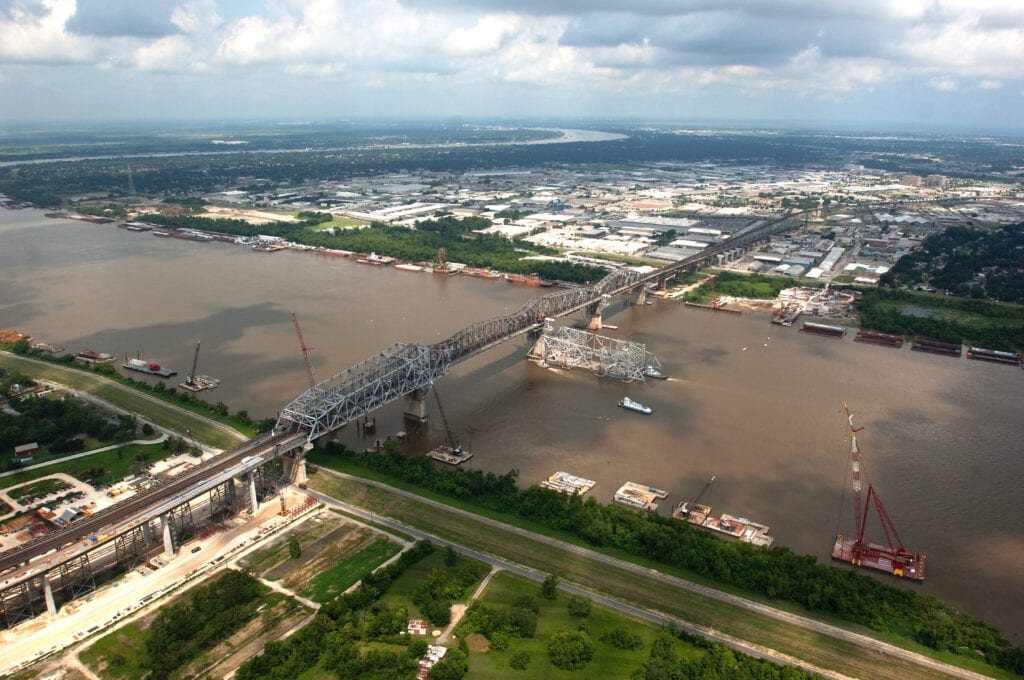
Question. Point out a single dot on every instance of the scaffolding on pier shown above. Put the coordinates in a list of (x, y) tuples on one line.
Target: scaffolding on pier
[(569, 347)]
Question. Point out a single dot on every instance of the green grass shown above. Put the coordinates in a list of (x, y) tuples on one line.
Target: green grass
[(646, 591), (380, 527), (554, 616), (340, 222), (126, 397), (336, 580), (117, 464), (43, 487), (121, 654)]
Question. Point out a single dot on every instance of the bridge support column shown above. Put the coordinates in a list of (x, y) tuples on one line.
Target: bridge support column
[(169, 544), (595, 310), (416, 405), (641, 296), (51, 604), (295, 467), (250, 485)]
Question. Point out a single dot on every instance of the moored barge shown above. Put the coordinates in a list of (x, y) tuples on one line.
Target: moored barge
[(935, 347), (823, 329), (148, 367), (876, 338), (995, 356)]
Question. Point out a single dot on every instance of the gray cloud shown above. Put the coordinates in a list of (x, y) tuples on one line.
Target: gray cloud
[(123, 18)]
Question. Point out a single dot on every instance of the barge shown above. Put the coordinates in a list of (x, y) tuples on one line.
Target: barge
[(787, 314), (88, 356), (148, 367), (568, 484), (716, 307), (734, 528), (200, 383), (823, 329), (450, 455), (639, 496), (876, 338), (995, 356), (949, 349)]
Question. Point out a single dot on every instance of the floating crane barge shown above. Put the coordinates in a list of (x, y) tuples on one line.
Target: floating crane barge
[(893, 559)]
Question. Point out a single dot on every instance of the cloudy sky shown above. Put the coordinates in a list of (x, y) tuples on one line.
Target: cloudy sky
[(918, 63)]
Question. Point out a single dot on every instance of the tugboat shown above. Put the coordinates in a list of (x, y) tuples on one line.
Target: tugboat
[(652, 372), (628, 403)]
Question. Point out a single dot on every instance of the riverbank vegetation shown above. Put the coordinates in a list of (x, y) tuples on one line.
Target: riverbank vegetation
[(66, 371), (776, 573), (992, 325), (456, 236)]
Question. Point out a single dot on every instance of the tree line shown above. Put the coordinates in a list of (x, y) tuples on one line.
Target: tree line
[(777, 573)]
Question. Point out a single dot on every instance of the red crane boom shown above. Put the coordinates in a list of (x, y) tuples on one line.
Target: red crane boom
[(894, 559), (305, 351)]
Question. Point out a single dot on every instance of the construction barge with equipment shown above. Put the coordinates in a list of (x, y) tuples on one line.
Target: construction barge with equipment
[(452, 455), (995, 356), (892, 559), (568, 483), (735, 528)]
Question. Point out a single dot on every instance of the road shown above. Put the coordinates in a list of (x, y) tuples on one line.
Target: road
[(804, 622)]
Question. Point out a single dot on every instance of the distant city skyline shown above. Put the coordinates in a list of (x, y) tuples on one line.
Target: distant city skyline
[(916, 64)]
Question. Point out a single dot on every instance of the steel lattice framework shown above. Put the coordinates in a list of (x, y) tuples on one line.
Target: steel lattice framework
[(407, 368), (608, 357)]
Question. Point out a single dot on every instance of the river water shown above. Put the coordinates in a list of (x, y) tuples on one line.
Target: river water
[(941, 441)]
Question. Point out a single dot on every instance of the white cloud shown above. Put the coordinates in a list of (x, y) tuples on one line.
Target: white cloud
[(943, 84), (990, 85)]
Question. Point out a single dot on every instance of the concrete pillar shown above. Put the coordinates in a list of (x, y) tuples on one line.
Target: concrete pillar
[(165, 521), (641, 296), (595, 310), (51, 605), (147, 533), (254, 504), (299, 476), (416, 405)]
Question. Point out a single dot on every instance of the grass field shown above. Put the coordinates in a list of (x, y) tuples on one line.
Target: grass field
[(121, 654), (328, 584), (44, 487), (647, 590), (126, 398), (341, 223), (554, 616)]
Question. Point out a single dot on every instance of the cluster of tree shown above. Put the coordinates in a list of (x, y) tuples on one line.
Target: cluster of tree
[(570, 650), (775, 573), (354, 636), (740, 285), (980, 263), (436, 594), (210, 614), (498, 624), (952, 319), (57, 425), (669, 661)]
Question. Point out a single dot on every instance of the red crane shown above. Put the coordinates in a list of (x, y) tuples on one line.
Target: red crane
[(305, 351), (894, 559)]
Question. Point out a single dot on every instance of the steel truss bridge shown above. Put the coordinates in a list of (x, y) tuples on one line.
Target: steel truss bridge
[(410, 369)]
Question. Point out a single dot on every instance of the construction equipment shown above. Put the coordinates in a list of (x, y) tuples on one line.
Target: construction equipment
[(305, 351), (456, 448), (894, 558), (685, 507), (190, 379)]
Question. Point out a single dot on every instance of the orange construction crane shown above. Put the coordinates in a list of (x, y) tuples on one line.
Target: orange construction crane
[(305, 351)]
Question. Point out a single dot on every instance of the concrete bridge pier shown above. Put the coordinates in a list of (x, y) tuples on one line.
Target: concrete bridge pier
[(641, 296), (416, 405), (594, 311), (250, 484), (169, 547), (295, 465), (51, 604)]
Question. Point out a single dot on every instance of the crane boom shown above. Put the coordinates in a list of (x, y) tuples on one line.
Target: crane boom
[(305, 351), (444, 418), (860, 517), (191, 378), (704, 490)]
